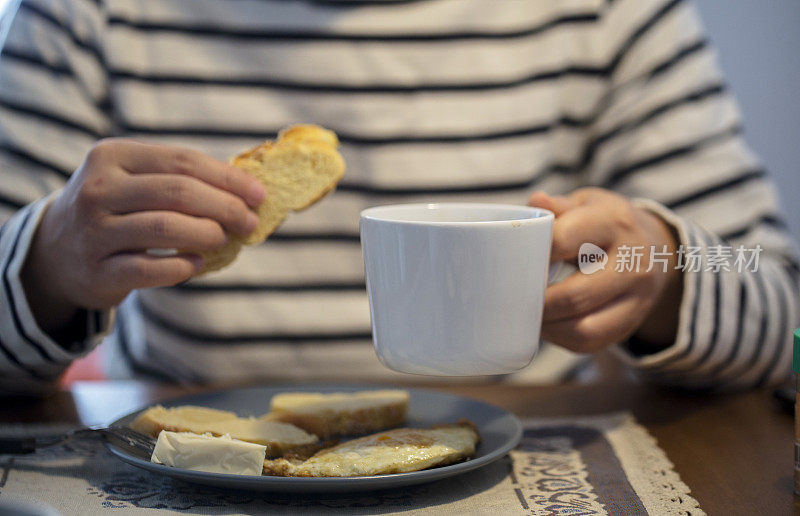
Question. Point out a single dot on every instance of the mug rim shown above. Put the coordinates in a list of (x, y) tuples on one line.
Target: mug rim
[(373, 213)]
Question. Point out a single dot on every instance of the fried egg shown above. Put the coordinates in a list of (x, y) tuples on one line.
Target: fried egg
[(395, 451)]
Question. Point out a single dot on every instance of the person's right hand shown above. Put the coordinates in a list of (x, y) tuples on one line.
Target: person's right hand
[(89, 250)]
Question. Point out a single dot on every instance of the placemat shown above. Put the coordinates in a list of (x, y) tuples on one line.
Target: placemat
[(574, 466)]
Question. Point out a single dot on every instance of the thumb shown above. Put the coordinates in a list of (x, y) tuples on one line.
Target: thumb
[(558, 204)]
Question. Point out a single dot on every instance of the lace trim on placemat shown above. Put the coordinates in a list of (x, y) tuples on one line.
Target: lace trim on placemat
[(649, 471), (661, 490)]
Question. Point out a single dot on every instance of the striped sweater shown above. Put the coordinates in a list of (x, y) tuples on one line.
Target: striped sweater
[(434, 100)]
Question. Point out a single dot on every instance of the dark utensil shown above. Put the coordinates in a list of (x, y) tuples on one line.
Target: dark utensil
[(122, 436)]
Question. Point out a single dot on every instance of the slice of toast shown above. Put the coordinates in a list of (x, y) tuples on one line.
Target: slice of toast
[(297, 170), (155, 419), (279, 438), (340, 413)]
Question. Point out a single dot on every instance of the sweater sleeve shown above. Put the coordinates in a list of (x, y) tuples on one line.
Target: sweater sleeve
[(670, 132), (52, 93)]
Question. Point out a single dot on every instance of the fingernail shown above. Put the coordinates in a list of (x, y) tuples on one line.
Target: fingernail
[(252, 222), (197, 261), (256, 194)]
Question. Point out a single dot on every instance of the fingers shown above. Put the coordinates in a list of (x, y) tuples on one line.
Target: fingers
[(162, 229), (578, 220), (580, 294), (140, 270), (142, 158), (577, 226), (610, 324), (558, 204), (182, 194)]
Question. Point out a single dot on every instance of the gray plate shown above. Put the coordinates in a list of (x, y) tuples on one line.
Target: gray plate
[(500, 431)]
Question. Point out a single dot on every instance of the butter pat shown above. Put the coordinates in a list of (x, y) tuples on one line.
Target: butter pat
[(208, 453)]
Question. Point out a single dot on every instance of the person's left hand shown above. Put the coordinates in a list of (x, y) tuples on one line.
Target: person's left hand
[(588, 312)]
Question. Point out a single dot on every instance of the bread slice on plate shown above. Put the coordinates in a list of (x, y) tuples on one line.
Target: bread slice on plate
[(278, 437), (178, 419), (340, 413), (394, 451), (297, 170)]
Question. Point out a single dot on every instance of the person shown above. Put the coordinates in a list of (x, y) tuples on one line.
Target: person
[(117, 117)]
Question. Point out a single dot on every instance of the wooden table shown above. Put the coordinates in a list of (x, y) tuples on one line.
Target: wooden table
[(734, 451)]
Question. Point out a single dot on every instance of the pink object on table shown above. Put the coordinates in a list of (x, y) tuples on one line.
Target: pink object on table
[(86, 368)]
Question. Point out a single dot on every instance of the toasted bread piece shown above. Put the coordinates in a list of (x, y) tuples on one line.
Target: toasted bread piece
[(340, 413), (395, 451), (155, 419), (279, 438), (297, 170)]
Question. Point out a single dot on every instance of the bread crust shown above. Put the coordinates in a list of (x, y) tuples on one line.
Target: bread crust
[(149, 423), (302, 450), (153, 420), (304, 154), (354, 422)]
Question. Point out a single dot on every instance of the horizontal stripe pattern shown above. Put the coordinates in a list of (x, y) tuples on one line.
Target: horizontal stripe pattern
[(62, 27), (433, 100), (207, 31), (580, 71), (13, 302), (720, 188), (207, 336), (271, 313), (25, 350), (10, 329), (734, 339), (424, 16), (363, 119)]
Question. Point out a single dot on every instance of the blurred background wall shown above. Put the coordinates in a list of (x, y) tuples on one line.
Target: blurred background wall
[(759, 46)]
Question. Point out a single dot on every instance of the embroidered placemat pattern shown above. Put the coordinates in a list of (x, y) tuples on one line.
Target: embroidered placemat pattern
[(574, 466)]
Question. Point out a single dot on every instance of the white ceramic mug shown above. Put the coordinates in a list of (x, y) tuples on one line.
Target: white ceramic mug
[(456, 289)]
